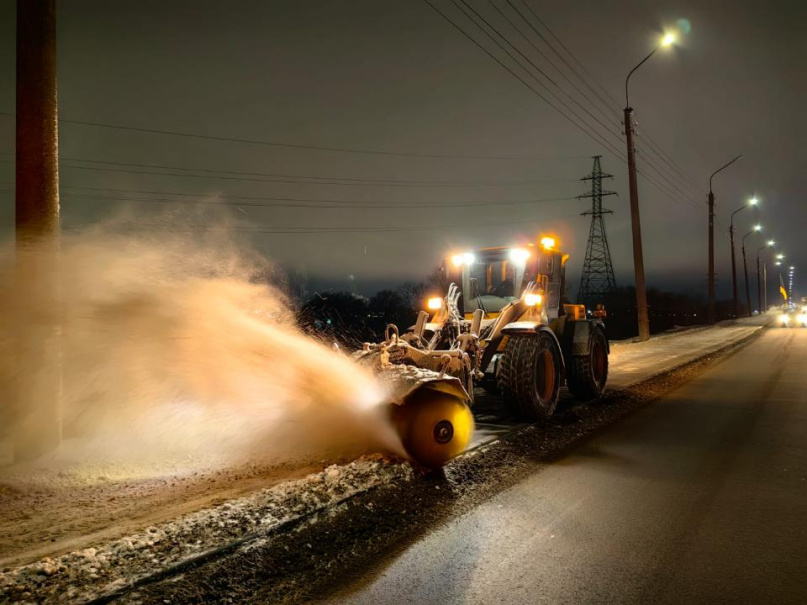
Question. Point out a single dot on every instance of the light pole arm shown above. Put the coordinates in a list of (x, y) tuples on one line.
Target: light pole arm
[(642, 62), (735, 212), (722, 168)]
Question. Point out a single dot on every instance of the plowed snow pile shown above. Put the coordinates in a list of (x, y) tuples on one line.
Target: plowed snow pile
[(167, 352)]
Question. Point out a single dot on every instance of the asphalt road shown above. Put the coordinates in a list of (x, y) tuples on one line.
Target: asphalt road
[(700, 497)]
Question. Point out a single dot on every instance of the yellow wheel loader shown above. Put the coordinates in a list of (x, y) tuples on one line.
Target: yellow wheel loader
[(502, 325)]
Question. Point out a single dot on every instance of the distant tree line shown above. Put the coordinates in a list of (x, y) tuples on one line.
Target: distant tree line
[(351, 319)]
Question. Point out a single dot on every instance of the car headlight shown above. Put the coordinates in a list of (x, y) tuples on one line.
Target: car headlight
[(783, 319), (802, 319)]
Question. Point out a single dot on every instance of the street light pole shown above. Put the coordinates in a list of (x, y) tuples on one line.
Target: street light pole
[(759, 276), (642, 317), (756, 229), (751, 202), (710, 313)]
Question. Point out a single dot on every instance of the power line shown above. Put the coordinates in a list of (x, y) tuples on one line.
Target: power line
[(572, 98), (353, 150), (574, 58), (654, 147), (296, 203), (293, 179), (508, 69), (596, 136), (591, 130), (252, 201), (613, 116), (380, 229)]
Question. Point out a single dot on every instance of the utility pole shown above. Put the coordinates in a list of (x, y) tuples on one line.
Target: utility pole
[(636, 230), (756, 229), (636, 227), (598, 278), (765, 285), (37, 196), (710, 314), (710, 309), (759, 287), (747, 288), (36, 408), (760, 297), (734, 275), (751, 202)]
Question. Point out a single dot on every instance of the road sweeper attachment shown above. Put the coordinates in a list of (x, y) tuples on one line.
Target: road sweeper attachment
[(502, 325)]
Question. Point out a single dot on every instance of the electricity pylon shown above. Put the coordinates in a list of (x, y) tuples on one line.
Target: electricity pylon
[(598, 272)]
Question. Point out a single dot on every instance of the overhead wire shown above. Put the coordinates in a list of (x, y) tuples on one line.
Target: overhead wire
[(292, 202), (671, 185), (586, 81), (589, 79), (542, 72), (265, 177), (507, 68), (612, 116), (379, 229), (577, 119), (259, 142)]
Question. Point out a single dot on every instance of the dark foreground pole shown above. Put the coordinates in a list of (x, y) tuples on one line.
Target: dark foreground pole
[(36, 407)]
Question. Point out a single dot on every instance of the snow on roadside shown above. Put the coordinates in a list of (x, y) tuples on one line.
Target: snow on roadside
[(85, 574)]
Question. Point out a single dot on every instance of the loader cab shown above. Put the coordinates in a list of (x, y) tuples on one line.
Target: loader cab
[(491, 278)]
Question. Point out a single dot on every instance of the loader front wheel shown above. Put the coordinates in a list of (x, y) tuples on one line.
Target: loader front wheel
[(434, 427), (530, 374), (586, 374)]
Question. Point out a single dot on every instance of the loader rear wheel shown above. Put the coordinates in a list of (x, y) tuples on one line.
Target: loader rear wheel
[(530, 374), (586, 374), (434, 427)]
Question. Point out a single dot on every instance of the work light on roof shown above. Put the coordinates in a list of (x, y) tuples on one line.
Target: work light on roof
[(519, 255)]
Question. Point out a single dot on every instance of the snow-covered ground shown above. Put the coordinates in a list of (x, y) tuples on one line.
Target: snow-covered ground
[(90, 572)]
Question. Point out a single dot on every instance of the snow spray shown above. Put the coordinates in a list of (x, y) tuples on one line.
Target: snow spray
[(165, 347)]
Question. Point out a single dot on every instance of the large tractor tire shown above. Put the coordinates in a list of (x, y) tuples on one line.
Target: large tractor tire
[(434, 427), (586, 375), (530, 374)]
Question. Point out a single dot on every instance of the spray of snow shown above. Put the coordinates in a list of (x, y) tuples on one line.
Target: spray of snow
[(164, 348)]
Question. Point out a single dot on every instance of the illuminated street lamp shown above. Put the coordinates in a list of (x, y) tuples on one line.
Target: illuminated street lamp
[(756, 229), (636, 226), (762, 279), (752, 202), (710, 309)]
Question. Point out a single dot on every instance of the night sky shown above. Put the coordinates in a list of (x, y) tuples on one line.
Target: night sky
[(454, 127)]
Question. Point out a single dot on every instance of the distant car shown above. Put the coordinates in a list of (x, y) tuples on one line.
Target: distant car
[(793, 319)]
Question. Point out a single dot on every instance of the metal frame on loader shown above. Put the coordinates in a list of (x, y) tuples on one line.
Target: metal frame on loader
[(525, 346)]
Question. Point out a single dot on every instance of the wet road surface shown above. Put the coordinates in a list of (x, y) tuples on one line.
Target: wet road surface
[(698, 498)]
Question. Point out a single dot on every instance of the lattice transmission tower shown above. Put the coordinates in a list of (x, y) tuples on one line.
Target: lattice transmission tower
[(598, 272)]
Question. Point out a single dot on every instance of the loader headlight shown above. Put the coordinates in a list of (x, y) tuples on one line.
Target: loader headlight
[(783, 319), (533, 300), (466, 258), (802, 319), (519, 255), (435, 303), (548, 242)]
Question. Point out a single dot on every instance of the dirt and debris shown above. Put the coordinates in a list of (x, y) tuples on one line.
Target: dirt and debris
[(88, 573)]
